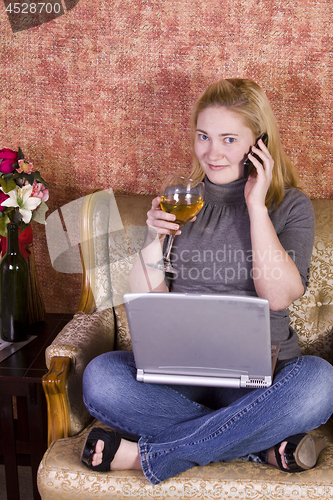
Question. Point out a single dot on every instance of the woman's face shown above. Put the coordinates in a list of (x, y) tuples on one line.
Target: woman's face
[(221, 144)]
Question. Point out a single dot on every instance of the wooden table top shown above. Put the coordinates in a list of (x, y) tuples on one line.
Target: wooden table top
[(29, 361)]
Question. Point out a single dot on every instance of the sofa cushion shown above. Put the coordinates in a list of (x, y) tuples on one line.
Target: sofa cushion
[(61, 475)]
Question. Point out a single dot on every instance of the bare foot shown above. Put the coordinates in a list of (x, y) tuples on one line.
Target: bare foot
[(127, 456), (271, 459)]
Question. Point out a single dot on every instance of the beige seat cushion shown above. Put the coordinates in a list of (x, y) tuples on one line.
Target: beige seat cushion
[(63, 477)]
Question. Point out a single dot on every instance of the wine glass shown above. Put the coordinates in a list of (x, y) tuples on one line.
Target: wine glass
[(184, 198)]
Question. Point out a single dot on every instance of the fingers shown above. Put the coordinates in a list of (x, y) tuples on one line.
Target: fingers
[(161, 221), (261, 176), (156, 202), (264, 154)]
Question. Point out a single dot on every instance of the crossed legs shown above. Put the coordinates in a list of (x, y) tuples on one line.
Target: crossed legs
[(177, 429)]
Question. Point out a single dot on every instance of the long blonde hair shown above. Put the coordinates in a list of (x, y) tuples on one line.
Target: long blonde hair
[(249, 101)]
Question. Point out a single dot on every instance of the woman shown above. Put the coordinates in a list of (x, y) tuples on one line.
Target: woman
[(259, 233)]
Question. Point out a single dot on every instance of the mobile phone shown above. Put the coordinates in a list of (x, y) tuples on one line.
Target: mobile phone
[(248, 165)]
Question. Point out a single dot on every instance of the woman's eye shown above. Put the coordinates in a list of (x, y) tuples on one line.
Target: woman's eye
[(229, 140), (203, 137)]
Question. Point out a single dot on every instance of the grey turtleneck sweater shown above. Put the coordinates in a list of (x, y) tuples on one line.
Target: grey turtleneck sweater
[(214, 253)]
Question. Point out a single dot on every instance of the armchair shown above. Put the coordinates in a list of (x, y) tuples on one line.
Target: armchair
[(112, 232)]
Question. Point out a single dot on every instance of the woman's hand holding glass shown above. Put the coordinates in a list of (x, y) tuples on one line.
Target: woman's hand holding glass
[(181, 199), (161, 222)]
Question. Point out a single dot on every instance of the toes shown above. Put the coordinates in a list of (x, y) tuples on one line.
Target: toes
[(98, 455), (99, 446), (96, 459), (281, 451)]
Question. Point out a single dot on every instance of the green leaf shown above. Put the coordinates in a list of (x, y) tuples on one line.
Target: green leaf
[(20, 154), (38, 215), (7, 185), (3, 226), (10, 175), (29, 177), (39, 178)]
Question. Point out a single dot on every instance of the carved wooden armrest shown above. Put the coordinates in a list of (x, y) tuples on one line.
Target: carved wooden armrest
[(82, 339), (55, 389)]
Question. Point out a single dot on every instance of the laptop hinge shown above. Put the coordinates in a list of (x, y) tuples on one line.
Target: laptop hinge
[(255, 382)]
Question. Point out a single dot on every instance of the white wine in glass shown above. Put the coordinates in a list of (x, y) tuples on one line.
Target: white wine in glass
[(184, 198), (183, 206)]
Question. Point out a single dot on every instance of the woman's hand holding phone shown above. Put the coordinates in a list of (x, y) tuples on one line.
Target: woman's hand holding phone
[(260, 177), (248, 165)]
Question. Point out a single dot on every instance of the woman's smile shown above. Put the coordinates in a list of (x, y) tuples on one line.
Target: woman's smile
[(217, 167)]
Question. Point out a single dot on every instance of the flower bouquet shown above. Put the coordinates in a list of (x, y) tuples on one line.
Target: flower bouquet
[(23, 193)]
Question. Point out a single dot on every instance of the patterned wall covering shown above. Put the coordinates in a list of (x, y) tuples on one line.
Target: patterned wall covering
[(101, 95)]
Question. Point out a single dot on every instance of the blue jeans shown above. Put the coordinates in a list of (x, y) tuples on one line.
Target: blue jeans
[(182, 427)]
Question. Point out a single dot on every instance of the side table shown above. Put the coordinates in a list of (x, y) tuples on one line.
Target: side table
[(23, 432)]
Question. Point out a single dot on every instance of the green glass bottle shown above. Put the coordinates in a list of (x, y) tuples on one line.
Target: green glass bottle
[(14, 290)]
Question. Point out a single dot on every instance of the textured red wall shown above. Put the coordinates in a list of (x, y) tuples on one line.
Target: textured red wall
[(101, 96)]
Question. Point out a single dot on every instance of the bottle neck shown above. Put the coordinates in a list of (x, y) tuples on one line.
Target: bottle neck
[(12, 239)]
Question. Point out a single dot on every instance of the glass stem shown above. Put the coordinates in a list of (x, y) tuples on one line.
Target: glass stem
[(166, 256)]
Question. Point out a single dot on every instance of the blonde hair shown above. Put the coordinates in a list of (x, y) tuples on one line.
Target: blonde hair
[(249, 101)]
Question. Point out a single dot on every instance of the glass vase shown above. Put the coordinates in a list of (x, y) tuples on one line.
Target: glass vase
[(14, 290)]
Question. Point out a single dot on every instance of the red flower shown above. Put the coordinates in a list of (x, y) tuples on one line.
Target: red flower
[(25, 238), (3, 197), (8, 157)]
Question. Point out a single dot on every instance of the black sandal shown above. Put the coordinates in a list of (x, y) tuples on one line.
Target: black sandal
[(111, 444), (301, 452)]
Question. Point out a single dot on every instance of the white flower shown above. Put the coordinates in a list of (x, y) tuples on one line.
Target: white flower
[(21, 197)]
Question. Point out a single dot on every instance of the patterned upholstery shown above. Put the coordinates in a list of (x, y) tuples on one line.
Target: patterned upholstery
[(61, 474), (82, 339), (312, 314)]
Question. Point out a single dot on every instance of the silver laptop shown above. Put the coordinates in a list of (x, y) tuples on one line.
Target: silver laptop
[(206, 340)]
